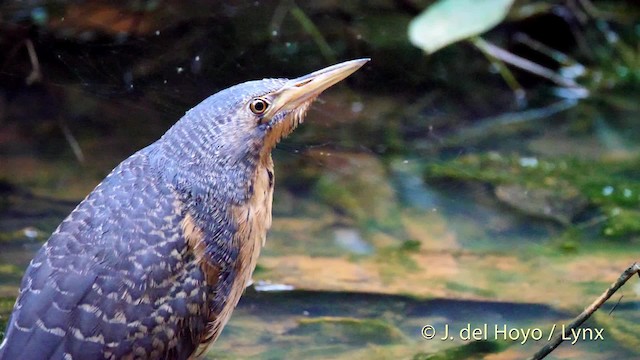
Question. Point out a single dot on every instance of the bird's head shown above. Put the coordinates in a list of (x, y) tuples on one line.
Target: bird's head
[(237, 127), (255, 115)]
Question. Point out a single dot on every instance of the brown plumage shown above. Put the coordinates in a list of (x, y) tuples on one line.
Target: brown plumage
[(153, 261)]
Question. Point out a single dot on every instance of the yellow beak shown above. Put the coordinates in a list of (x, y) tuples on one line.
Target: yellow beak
[(296, 92)]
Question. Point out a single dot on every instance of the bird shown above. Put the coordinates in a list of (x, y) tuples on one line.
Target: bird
[(151, 264)]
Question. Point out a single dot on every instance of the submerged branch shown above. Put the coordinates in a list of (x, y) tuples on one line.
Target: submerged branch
[(522, 63), (502, 123), (73, 143)]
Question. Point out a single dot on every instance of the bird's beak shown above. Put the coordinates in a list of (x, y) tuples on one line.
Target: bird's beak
[(299, 91)]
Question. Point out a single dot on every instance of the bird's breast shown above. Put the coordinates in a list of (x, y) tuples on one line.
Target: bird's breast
[(252, 220)]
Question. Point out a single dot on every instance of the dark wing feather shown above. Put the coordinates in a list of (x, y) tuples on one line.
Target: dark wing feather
[(116, 277)]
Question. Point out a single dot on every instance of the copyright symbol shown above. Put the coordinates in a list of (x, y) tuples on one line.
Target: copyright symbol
[(428, 332)]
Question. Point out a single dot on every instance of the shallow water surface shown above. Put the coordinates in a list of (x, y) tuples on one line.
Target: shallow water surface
[(417, 193)]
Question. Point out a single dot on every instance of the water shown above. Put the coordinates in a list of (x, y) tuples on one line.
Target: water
[(390, 209)]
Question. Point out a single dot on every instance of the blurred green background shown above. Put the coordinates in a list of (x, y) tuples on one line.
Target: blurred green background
[(495, 180)]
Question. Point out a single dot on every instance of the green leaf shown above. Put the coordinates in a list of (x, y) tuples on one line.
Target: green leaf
[(448, 21)]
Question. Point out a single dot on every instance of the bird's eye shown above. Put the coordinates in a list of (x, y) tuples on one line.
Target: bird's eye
[(258, 106)]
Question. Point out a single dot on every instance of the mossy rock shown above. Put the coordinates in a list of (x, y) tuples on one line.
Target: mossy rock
[(349, 330), (561, 205), (472, 350), (357, 185), (558, 189), (621, 222)]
